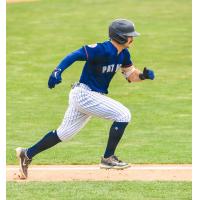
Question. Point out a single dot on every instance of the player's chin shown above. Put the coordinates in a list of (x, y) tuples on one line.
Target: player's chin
[(128, 45)]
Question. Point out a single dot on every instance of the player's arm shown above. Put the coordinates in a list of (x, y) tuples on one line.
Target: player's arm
[(132, 74), (55, 77)]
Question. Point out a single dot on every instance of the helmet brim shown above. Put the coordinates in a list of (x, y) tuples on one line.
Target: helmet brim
[(132, 34)]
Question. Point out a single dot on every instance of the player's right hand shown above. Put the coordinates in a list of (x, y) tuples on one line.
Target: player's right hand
[(55, 78)]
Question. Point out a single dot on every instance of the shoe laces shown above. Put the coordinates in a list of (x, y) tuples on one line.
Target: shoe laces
[(116, 158)]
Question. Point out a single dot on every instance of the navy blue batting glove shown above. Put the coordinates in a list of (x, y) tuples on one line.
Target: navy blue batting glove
[(147, 74), (55, 78)]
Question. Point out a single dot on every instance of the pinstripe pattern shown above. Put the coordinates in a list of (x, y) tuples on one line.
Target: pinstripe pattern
[(83, 104), (72, 123)]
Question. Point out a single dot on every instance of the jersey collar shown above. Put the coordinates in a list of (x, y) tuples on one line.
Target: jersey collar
[(114, 48)]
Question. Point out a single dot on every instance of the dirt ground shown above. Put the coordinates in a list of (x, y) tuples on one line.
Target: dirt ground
[(18, 1), (94, 173)]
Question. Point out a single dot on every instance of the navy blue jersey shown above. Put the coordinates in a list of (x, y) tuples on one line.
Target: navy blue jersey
[(102, 62)]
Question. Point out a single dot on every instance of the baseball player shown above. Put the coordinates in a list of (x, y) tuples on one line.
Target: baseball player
[(87, 97)]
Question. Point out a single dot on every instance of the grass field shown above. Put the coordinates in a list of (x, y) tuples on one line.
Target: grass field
[(100, 190), (40, 34)]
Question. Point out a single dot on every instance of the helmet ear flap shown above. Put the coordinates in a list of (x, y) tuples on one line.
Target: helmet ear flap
[(119, 38)]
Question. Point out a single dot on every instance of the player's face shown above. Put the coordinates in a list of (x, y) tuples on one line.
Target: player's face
[(128, 43)]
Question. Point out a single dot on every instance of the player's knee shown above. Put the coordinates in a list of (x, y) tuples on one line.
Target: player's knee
[(59, 135), (62, 134), (125, 116)]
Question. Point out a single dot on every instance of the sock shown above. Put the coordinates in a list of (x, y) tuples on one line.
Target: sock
[(115, 134), (48, 141)]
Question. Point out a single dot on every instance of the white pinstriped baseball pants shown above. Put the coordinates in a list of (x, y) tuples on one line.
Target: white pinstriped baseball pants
[(83, 104)]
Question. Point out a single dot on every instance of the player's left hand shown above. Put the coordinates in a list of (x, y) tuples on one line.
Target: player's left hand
[(148, 74), (55, 78)]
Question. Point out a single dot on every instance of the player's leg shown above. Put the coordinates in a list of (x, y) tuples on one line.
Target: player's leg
[(25, 155), (73, 121), (121, 117), (102, 106), (96, 104)]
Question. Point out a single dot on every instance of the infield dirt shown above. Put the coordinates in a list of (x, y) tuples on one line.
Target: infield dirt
[(149, 172)]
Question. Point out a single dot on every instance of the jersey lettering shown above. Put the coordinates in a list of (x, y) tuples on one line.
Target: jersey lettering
[(109, 68), (118, 66)]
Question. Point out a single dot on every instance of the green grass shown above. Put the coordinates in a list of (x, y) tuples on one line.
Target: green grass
[(100, 190), (40, 34)]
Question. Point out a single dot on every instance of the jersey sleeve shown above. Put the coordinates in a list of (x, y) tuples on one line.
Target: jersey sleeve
[(78, 55), (127, 59), (91, 51)]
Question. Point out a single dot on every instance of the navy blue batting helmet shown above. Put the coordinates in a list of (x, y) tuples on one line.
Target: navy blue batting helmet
[(120, 29)]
